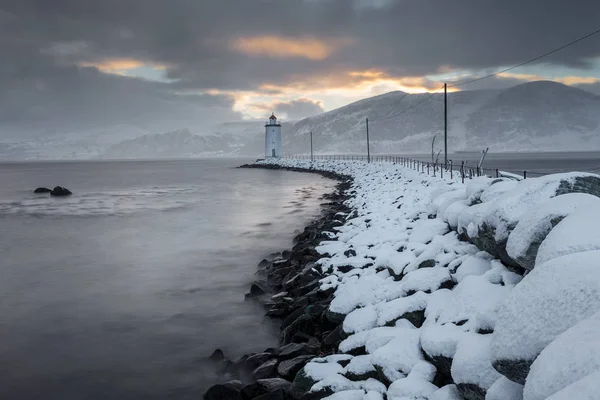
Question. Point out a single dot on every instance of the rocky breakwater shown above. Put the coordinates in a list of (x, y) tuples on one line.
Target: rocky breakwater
[(439, 290), (288, 286)]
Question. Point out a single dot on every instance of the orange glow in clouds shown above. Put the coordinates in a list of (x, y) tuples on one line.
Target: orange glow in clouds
[(282, 47)]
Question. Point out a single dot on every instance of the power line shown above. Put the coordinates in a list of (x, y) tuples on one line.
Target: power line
[(528, 61)]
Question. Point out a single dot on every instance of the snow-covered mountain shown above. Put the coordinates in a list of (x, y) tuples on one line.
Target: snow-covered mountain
[(536, 116), (533, 116), (176, 144)]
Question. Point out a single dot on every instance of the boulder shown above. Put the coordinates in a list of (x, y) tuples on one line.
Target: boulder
[(255, 360), (549, 300), (472, 370), (293, 350), (303, 324), (573, 355), (500, 216), (222, 392), (505, 389), (529, 233), (263, 386), (257, 289), (577, 232), (584, 389), (289, 368), (42, 190), (266, 370), (217, 356), (279, 394), (60, 191)]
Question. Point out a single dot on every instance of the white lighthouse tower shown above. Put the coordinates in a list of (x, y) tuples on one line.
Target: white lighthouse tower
[(272, 138)]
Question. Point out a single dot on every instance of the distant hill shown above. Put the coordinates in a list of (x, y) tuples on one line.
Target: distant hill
[(529, 117), (177, 144)]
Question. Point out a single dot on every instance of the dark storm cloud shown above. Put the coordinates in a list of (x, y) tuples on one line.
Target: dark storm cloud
[(41, 41)]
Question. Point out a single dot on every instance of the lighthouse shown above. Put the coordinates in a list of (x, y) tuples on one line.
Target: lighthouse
[(272, 138)]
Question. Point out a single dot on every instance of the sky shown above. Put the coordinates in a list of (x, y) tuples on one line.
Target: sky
[(168, 64)]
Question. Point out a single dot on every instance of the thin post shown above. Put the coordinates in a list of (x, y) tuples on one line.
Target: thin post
[(451, 171), (462, 171), (445, 125), (368, 148), (311, 147), (524, 174)]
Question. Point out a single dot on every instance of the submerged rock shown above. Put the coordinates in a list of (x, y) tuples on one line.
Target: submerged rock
[(42, 190), (60, 191), (221, 392)]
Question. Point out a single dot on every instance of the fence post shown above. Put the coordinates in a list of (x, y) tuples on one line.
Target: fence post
[(441, 172), (462, 171), (524, 174), (451, 171)]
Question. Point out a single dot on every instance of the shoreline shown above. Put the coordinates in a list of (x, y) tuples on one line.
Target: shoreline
[(287, 286)]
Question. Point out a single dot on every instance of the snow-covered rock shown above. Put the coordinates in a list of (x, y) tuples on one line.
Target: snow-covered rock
[(584, 389), (524, 241), (570, 357), (472, 369), (505, 389), (578, 232), (548, 301)]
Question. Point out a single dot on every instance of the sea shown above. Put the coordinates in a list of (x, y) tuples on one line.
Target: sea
[(122, 290)]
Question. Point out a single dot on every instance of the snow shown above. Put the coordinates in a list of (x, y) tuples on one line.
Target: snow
[(472, 265), (361, 319), (410, 388), (472, 362), (448, 392), (549, 300), (584, 389), (347, 395), (396, 308), (424, 231), (538, 222), (441, 340), (402, 249), (570, 357), (578, 232), (360, 365), (505, 389)]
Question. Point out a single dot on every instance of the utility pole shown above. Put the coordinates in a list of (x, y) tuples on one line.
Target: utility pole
[(445, 125), (311, 147), (368, 148)]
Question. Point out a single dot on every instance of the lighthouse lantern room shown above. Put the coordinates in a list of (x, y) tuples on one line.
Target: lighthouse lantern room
[(272, 138)]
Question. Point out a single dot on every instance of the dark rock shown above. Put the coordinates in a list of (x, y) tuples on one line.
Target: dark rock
[(444, 369), (362, 377), (293, 350), (417, 318), (527, 261), (291, 318), (345, 268), (470, 391), (427, 264), (60, 191), (336, 336), (263, 386), (289, 368), (350, 253), (515, 370), (279, 394), (301, 386), (303, 324), (266, 370), (235, 384), (257, 289), (277, 311), (222, 392), (255, 360), (264, 263), (42, 190), (334, 317), (217, 356)]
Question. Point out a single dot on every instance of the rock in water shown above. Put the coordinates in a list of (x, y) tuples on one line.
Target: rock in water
[(42, 190), (60, 191), (222, 392)]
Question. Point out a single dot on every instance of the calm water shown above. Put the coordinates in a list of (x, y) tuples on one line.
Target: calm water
[(123, 289)]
